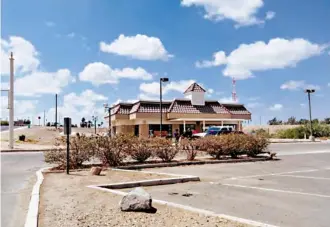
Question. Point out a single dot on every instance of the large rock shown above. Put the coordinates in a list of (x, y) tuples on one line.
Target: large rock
[(96, 170), (137, 200)]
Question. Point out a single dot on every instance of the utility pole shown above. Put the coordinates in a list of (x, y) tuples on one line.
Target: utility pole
[(309, 91), (56, 111), (11, 102), (44, 118)]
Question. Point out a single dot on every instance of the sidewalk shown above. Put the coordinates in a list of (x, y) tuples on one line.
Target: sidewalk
[(24, 147)]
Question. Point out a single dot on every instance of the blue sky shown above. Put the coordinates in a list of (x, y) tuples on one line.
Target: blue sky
[(57, 46)]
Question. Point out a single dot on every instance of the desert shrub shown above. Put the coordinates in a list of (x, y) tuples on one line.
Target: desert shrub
[(163, 149), (319, 130), (113, 150), (233, 145), (141, 149), (211, 145), (81, 150), (254, 145), (190, 147), (262, 132)]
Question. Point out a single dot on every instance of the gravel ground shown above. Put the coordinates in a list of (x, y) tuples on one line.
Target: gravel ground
[(66, 201)]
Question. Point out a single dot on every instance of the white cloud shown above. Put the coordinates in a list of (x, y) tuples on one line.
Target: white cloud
[(219, 58), (76, 106), (210, 90), (99, 73), (302, 105), (252, 105), (71, 35), (228, 100), (276, 107), (270, 15), (278, 53), (86, 98), (25, 55), (39, 83), (243, 12), (50, 24), (297, 85), (150, 90), (24, 109), (139, 47)]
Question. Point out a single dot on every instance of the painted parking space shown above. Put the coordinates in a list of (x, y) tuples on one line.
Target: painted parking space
[(292, 192)]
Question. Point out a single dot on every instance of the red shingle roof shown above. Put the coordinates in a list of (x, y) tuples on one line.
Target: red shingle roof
[(184, 106), (194, 87), (236, 109), (150, 107), (179, 106)]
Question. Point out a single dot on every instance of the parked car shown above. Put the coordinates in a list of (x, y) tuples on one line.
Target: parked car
[(215, 130)]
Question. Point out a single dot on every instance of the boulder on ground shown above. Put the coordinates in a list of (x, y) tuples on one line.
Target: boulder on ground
[(96, 170), (137, 200)]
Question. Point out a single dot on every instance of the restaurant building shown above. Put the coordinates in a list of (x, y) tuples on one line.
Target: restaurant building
[(142, 118)]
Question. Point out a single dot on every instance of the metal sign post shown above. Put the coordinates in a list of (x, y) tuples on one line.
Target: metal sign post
[(67, 132)]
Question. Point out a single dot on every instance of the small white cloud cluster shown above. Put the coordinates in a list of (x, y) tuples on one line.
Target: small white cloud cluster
[(243, 12), (278, 53), (298, 85), (99, 73), (140, 47)]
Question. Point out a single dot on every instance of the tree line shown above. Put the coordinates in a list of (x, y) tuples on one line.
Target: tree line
[(293, 121)]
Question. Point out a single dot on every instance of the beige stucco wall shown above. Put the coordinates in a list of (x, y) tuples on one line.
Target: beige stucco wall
[(144, 130), (241, 116), (126, 129)]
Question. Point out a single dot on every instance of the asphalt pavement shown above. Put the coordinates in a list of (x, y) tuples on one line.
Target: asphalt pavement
[(17, 179), (294, 191)]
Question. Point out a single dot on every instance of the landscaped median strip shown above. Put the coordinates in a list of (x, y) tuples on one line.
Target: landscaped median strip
[(33, 212), (199, 162), (178, 179)]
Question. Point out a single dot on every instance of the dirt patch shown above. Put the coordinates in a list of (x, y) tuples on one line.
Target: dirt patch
[(66, 201)]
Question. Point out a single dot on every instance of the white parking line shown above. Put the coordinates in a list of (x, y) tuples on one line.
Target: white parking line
[(276, 190), (274, 174), (307, 177), (302, 152)]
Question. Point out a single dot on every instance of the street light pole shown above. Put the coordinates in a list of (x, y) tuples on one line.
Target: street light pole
[(309, 91), (106, 107), (163, 79), (11, 102)]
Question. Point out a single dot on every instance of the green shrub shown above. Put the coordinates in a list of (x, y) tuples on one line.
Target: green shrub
[(319, 130)]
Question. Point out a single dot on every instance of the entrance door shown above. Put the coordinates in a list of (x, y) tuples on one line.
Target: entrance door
[(136, 130)]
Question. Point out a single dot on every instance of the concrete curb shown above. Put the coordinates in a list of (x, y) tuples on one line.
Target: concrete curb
[(25, 150), (33, 211), (202, 162), (154, 182), (176, 205)]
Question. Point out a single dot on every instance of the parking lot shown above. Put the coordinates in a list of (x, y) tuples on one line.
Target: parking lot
[(294, 191)]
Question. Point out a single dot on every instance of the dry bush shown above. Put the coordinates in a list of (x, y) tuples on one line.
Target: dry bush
[(190, 147), (81, 150), (113, 150), (233, 145), (163, 149), (212, 145), (141, 149)]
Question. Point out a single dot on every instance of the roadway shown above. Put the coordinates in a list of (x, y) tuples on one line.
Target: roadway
[(17, 180)]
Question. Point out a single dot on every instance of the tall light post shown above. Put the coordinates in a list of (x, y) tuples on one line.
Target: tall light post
[(162, 79), (107, 108), (309, 91), (95, 120)]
